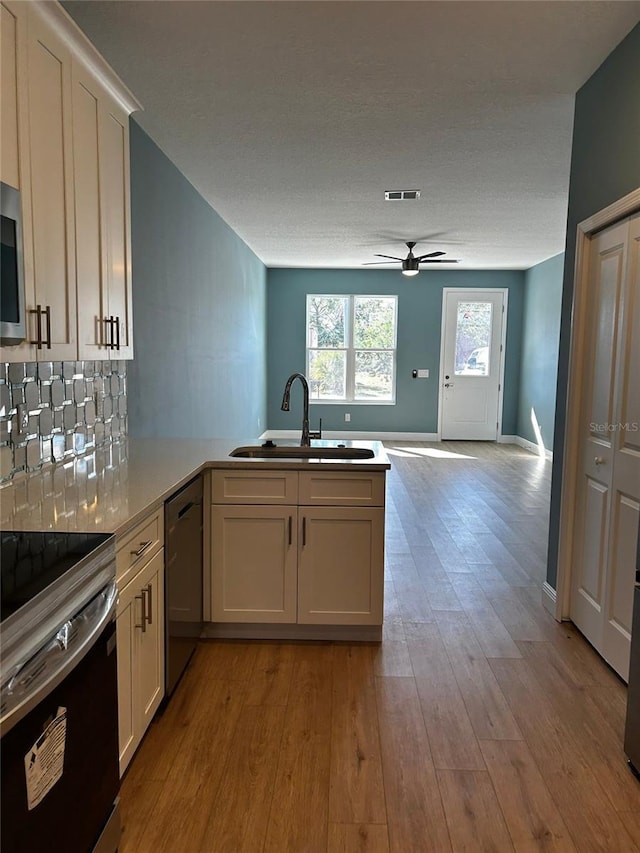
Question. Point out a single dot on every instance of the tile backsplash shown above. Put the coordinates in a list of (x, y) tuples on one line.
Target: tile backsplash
[(54, 410)]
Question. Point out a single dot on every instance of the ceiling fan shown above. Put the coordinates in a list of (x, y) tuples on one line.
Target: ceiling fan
[(411, 264)]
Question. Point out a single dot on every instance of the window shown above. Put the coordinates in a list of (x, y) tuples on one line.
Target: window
[(351, 348)]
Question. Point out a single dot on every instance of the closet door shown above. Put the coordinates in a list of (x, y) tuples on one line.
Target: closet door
[(625, 486), (608, 484)]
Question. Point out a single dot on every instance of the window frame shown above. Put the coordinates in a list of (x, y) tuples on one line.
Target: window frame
[(350, 349)]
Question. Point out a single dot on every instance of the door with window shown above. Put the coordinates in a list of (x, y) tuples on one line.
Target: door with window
[(473, 325)]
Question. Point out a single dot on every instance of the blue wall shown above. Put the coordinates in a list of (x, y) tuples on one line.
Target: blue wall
[(198, 311), (539, 352), (419, 326), (605, 166)]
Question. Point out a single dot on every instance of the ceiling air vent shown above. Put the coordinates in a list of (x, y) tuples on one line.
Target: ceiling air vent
[(402, 195)]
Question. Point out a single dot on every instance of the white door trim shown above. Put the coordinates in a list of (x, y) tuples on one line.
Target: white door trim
[(503, 347), (607, 216)]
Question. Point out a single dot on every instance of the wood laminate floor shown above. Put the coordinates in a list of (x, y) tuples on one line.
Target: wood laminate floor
[(479, 724)]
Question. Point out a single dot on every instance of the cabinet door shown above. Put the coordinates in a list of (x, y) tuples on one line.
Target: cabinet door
[(341, 565), (14, 151), (51, 168), (254, 557), (149, 644), (103, 257), (125, 628), (90, 238), (114, 143), (10, 32)]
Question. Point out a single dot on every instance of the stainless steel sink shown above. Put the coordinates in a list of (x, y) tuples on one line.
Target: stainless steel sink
[(287, 451)]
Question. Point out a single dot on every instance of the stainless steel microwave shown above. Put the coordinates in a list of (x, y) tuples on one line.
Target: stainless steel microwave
[(12, 302)]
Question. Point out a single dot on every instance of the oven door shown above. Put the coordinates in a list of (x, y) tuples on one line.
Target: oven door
[(60, 760)]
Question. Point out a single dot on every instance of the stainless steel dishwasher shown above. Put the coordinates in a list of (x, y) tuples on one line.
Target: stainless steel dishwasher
[(183, 532)]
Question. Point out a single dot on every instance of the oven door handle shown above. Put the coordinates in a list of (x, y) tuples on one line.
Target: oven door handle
[(42, 673)]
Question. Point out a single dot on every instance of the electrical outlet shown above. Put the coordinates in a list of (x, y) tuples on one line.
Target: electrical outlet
[(347, 417)]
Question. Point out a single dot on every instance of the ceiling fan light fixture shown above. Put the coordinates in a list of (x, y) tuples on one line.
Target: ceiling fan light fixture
[(410, 266)]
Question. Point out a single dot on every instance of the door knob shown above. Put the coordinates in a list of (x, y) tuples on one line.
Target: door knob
[(448, 384), (599, 460)]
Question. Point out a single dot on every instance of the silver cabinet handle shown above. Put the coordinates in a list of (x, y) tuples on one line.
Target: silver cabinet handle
[(143, 547), (149, 614), (599, 460), (143, 603)]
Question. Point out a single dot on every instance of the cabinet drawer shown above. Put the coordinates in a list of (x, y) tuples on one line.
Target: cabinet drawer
[(138, 546), (253, 487), (324, 488)]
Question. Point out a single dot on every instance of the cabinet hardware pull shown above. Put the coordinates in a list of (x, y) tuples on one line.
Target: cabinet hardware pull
[(47, 314), (117, 333), (149, 612), (304, 530), (142, 599), (290, 529), (37, 311), (143, 547), (112, 320), (107, 333), (599, 460)]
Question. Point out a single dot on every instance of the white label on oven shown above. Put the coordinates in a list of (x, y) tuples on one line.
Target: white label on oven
[(44, 762)]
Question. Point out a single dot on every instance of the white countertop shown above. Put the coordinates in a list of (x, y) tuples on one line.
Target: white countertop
[(111, 489)]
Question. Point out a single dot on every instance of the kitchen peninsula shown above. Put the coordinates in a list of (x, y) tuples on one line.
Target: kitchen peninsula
[(321, 513)]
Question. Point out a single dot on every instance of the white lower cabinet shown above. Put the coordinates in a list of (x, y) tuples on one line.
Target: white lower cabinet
[(305, 564), (254, 551), (341, 566), (140, 643)]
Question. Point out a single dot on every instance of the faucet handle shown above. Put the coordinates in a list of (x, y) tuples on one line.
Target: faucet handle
[(318, 433)]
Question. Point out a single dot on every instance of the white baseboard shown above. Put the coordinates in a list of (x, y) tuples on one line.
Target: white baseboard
[(549, 597), (528, 445), (332, 435)]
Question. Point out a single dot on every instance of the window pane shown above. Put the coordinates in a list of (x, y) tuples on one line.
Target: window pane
[(374, 322), (473, 338), (374, 376), (327, 374), (326, 321)]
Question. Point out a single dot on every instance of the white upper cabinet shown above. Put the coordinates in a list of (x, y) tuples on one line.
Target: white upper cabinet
[(103, 233), (52, 320), (67, 141)]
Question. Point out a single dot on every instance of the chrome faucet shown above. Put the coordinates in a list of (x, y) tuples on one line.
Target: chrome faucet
[(305, 440)]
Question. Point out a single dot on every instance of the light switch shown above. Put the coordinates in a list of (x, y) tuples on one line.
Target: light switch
[(423, 373)]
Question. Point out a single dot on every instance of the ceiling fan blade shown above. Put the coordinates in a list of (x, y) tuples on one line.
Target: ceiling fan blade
[(431, 255), (378, 263), (393, 258), (440, 261)]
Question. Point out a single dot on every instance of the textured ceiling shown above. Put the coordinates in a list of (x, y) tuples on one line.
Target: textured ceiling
[(293, 118)]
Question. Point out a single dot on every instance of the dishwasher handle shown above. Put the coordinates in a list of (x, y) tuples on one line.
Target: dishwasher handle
[(42, 673), (185, 509)]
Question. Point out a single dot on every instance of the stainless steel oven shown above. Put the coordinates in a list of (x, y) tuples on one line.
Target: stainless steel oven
[(59, 710), (13, 326)]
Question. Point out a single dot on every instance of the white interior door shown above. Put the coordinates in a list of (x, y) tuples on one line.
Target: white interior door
[(608, 487), (471, 362)]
